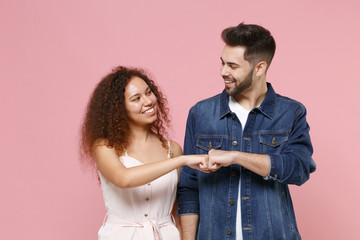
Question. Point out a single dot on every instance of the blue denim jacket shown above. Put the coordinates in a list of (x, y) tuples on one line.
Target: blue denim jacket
[(277, 128)]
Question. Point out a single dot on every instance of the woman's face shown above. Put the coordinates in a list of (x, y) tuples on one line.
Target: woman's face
[(140, 103)]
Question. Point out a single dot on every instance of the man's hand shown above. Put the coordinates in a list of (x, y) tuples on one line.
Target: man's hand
[(219, 158), (257, 163)]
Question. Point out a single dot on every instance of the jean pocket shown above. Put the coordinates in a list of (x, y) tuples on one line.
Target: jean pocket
[(207, 143), (272, 142)]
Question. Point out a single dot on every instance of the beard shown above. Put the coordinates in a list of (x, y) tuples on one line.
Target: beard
[(240, 87)]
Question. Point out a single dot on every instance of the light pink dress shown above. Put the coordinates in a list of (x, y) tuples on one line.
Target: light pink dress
[(140, 213)]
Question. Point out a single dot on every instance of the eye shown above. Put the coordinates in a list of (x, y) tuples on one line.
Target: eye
[(148, 92), (135, 99), (233, 67)]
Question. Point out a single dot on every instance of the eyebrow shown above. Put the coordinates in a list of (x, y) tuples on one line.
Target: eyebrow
[(137, 94), (229, 63)]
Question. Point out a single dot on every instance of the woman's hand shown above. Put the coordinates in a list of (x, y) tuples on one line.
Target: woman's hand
[(199, 162)]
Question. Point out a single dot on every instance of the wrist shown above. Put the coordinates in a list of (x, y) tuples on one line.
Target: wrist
[(182, 160), (236, 155)]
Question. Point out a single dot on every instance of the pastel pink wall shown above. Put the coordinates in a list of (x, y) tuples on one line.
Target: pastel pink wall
[(52, 53)]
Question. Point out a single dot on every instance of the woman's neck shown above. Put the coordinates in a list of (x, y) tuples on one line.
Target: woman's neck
[(140, 134)]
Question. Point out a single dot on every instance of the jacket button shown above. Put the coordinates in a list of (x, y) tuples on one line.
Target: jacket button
[(234, 143), (228, 231), (233, 173), (231, 202), (232, 116)]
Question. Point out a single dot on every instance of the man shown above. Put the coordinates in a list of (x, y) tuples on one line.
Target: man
[(258, 142)]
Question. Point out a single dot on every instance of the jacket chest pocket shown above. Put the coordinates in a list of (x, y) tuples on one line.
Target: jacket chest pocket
[(205, 144), (272, 142)]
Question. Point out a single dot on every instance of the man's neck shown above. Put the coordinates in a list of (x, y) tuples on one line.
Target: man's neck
[(253, 96)]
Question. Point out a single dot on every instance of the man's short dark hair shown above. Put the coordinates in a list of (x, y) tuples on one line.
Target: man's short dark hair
[(259, 44)]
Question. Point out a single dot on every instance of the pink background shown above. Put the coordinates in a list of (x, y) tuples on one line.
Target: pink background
[(52, 53)]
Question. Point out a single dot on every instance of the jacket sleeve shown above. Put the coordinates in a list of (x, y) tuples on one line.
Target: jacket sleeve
[(294, 164), (188, 194)]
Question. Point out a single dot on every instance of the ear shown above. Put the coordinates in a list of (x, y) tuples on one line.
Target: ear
[(260, 68)]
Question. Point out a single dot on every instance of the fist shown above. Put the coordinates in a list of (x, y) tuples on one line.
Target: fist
[(219, 158)]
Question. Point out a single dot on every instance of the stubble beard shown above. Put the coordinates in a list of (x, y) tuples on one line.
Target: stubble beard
[(242, 86)]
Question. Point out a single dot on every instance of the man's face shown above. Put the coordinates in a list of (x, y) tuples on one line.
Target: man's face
[(235, 70)]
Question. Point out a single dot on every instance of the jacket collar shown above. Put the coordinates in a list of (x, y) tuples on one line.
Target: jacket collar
[(267, 107)]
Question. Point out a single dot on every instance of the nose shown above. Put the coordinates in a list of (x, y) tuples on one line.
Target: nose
[(147, 101), (224, 70)]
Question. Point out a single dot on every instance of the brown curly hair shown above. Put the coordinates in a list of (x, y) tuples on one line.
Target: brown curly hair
[(106, 117)]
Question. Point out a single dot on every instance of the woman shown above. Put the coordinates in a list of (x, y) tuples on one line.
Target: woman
[(124, 137)]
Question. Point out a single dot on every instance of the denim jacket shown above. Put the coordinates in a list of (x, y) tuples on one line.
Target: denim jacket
[(277, 128)]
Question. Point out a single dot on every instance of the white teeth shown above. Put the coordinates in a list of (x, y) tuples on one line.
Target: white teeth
[(149, 111), (228, 81)]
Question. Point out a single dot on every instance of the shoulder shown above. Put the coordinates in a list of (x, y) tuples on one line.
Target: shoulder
[(208, 101), (175, 149), (288, 100), (101, 145), (206, 105), (282, 101), (288, 108), (101, 142), (290, 104)]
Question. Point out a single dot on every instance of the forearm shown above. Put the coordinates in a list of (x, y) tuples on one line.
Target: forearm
[(291, 168), (287, 168), (140, 175), (189, 225), (257, 163)]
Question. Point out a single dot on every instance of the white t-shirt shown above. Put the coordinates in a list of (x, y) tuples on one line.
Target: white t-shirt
[(242, 114)]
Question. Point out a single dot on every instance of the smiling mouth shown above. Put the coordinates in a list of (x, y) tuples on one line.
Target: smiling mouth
[(229, 81), (149, 110)]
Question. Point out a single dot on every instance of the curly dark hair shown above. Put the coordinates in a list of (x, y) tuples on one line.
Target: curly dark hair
[(106, 117)]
